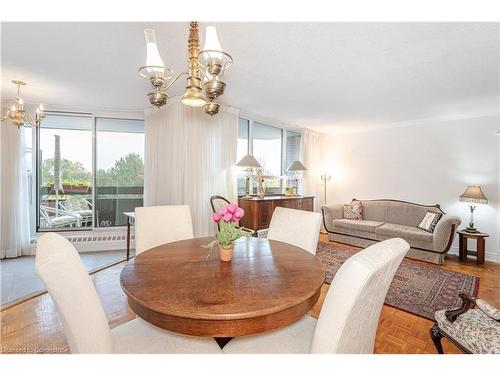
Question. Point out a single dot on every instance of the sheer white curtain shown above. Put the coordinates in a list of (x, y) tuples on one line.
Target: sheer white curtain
[(14, 211), (189, 156), (310, 150)]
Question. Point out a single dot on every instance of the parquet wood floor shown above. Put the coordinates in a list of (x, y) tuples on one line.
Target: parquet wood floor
[(34, 327)]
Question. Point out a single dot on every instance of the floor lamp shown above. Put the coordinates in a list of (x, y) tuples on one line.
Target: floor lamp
[(325, 177)]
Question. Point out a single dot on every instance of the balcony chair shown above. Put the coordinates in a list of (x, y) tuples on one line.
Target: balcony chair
[(80, 206), (60, 218)]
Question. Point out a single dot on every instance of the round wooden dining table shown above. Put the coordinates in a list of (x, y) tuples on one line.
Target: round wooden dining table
[(268, 284)]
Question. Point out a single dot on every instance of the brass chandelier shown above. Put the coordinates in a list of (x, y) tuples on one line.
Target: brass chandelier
[(204, 76), (17, 113)]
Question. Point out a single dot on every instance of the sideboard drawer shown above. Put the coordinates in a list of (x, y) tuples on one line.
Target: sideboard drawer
[(287, 203)]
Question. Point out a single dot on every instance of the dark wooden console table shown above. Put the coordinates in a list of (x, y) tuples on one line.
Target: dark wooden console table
[(258, 211)]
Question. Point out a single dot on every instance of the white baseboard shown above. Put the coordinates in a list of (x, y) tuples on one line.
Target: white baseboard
[(490, 256)]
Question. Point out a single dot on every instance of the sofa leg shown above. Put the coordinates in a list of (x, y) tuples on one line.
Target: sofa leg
[(436, 338)]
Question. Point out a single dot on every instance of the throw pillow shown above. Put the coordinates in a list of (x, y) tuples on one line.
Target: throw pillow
[(353, 211), (429, 221)]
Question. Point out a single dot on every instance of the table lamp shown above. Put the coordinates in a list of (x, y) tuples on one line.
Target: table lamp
[(295, 168), (248, 162), (473, 194)]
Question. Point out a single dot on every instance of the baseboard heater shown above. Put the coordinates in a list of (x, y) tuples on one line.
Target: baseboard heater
[(95, 241)]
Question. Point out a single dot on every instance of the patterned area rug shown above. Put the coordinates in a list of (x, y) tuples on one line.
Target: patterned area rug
[(419, 289)]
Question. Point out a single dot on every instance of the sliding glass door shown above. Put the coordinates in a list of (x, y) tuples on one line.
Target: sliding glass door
[(119, 169), (64, 173), (90, 171)]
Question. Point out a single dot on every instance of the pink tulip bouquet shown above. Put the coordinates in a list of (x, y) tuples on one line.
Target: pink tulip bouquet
[(228, 230)]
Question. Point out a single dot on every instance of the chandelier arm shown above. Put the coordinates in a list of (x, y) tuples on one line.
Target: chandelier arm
[(7, 116), (205, 77), (175, 79)]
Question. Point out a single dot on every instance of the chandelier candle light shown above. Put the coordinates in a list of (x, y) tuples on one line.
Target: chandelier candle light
[(17, 113), (204, 76)]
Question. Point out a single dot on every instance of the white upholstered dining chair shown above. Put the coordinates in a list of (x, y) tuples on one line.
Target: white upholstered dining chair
[(87, 331), (296, 227), (157, 225), (349, 317)]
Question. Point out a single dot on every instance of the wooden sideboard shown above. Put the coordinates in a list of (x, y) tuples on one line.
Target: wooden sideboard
[(258, 211)]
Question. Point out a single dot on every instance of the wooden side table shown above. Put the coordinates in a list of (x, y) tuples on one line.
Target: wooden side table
[(480, 241)]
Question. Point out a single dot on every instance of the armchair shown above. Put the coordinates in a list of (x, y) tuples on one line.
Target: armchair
[(474, 331)]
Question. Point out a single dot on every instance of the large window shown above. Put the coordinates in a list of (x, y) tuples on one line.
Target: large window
[(65, 172), (120, 169), (90, 171), (292, 147), (267, 142), (274, 148)]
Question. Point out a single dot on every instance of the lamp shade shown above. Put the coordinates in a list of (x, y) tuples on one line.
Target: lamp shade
[(153, 58), (296, 166), (248, 161), (473, 194), (212, 43)]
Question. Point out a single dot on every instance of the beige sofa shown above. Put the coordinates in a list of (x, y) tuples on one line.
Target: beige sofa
[(384, 219)]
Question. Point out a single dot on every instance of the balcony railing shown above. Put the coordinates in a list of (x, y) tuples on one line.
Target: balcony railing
[(74, 207)]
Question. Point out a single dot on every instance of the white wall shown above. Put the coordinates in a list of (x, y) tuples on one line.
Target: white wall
[(426, 163)]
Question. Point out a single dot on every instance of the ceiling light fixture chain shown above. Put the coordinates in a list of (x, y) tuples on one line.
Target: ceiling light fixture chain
[(205, 71)]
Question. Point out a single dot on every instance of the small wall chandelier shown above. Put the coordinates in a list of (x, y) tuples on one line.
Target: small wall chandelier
[(206, 69), (17, 113)]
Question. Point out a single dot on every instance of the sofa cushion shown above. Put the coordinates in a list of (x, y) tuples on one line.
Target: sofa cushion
[(360, 225), (405, 213), (353, 211), (355, 234), (430, 221), (403, 231), (413, 243), (375, 210)]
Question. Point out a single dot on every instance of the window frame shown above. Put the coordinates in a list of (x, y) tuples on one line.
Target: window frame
[(35, 184), (283, 128)]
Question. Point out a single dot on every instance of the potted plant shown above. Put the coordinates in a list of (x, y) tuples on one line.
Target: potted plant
[(228, 231)]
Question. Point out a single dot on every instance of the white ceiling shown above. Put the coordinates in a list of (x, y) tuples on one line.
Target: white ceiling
[(326, 76)]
